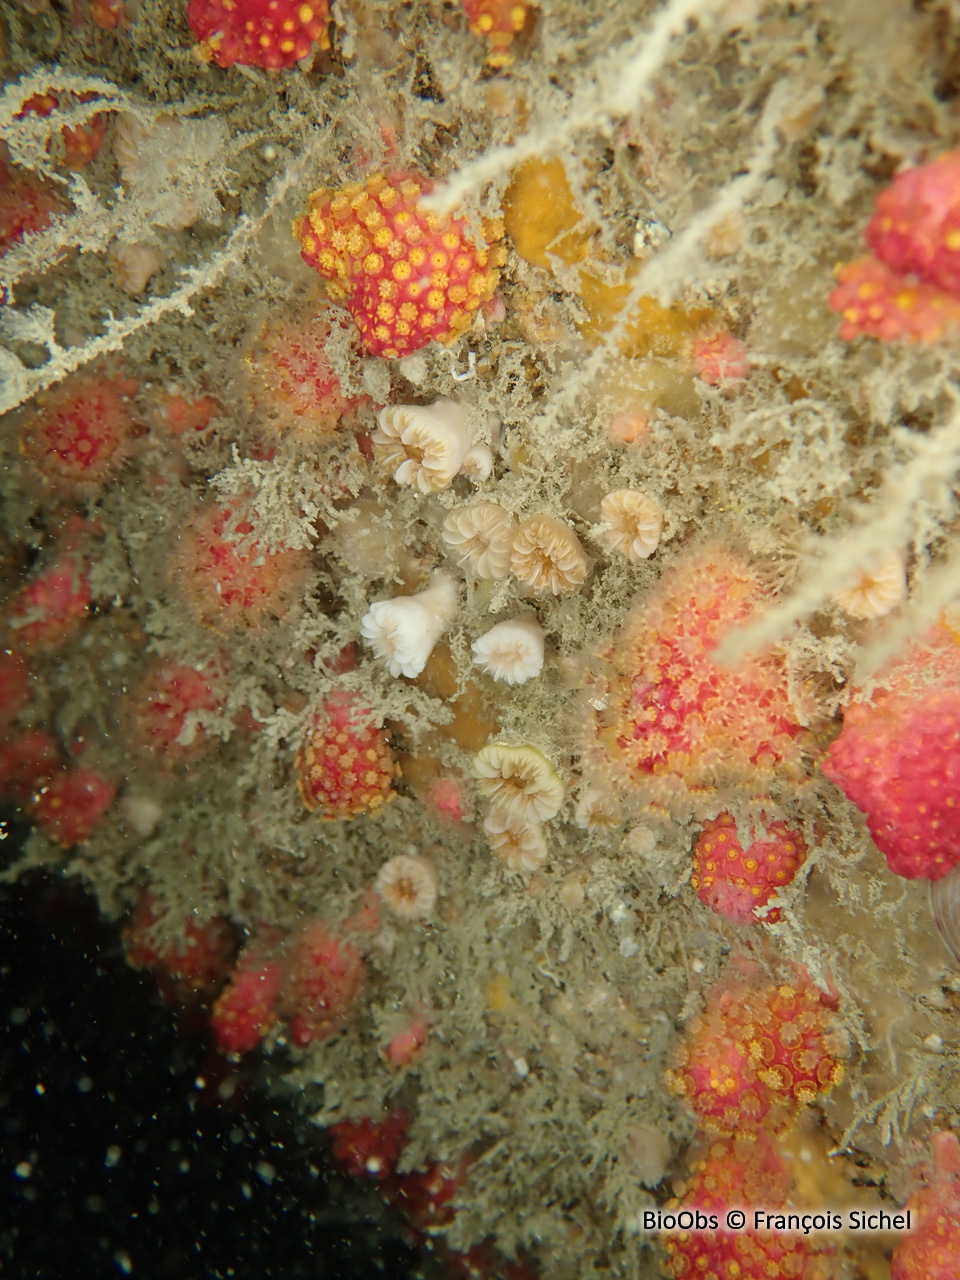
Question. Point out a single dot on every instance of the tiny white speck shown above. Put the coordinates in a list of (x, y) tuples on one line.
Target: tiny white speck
[(619, 913), (112, 1157), (123, 1261), (39, 1089), (24, 1169), (934, 1043), (697, 965), (269, 152), (628, 947), (521, 1067), (374, 1165), (265, 1172)]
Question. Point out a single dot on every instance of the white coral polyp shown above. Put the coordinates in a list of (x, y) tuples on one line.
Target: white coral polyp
[(480, 538), (511, 651), (424, 446), (877, 591), (408, 886), (632, 523), (517, 841), (403, 631)]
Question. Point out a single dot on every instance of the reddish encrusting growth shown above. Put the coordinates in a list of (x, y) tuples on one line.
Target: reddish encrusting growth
[(407, 276), (15, 685), (733, 881), (742, 1173), (370, 1148), (167, 695), (81, 142), (672, 721), (27, 761), (291, 380), (271, 34), (27, 206), (70, 806), (50, 608), (909, 290), (324, 975), (346, 766), (79, 436), (898, 760), (227, 579), (758, 1053), (931, 1251), (498, 21), (196, 956), (245, 1010)]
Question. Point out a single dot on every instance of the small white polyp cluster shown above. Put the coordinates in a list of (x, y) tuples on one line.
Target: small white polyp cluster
[(512, 651), (425, 446), (403, 631)]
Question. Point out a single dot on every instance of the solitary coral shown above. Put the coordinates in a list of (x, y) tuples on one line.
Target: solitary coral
[(403, 631), (407, 276), (547, 556), (632, 523), (408, 886), (511, 651), (519, 781), (877, 590), (424, 446), (516, 840), (480, 537)]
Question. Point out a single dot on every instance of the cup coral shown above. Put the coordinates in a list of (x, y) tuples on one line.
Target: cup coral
[(511, 651), (480, 537), (404, 630)]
